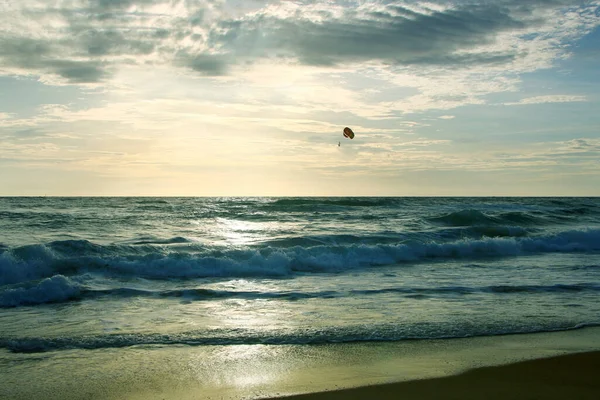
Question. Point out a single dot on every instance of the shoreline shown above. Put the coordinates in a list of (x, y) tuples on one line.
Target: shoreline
[(464, 368), (561, 377)]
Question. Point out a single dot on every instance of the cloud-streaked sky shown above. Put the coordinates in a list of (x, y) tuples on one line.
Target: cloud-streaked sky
[(250, 97)]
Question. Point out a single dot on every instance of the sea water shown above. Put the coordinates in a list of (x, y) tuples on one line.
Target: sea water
[(113, 273)]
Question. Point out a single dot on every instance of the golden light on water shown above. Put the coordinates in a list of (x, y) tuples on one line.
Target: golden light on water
[(238, 232), (243, 368)]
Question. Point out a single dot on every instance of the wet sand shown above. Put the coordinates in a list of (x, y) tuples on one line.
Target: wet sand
[(558, 365), (572, 376)]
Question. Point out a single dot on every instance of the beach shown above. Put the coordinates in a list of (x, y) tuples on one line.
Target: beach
[(561, 365), (573, 376)]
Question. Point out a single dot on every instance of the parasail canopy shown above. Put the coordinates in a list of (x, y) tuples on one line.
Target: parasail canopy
[(348, 133)]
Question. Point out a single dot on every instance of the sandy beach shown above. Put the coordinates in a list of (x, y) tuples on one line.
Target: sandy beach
[(555, 365), (572, 376)]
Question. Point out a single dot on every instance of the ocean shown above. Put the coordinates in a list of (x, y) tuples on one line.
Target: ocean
[(111, 273)]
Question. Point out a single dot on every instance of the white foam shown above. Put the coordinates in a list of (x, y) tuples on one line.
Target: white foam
[(36, 262), (26, 263), (55, 289)]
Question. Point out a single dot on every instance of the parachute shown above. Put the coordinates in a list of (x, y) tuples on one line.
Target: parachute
[(348, 133)]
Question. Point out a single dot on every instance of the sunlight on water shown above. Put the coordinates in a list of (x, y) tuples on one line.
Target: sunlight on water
[(239, 233), (251, 367), (107, 272)]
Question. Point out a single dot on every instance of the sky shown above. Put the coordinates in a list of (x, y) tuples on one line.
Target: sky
[(250, 97)]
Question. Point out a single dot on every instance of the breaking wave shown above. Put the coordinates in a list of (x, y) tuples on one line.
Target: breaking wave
[(34, 262), (61, 289), (309, 335)]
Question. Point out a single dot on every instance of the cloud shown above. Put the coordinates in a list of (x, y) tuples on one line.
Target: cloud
[(581, 145), (81, 41), (85, 41), (205, 64), (391, 33), (424, 142), (549, 99), (580, 152), (25, 133)]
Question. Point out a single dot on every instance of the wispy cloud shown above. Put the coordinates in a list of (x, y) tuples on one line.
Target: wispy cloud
[(549, 99)]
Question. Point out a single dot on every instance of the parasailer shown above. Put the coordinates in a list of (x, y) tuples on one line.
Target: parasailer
[(348, 133)]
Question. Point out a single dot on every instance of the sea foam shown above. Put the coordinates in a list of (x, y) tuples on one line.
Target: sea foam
[(55, 289), (33, 262)]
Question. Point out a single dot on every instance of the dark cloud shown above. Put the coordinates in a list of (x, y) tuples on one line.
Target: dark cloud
[(23, 52), (396, 35), (79, 71), (27, 133), (105, 5), (40, 55), (102, 33), (197, 17), (583, 145), (205, 64), (111, 42), (79, 51)]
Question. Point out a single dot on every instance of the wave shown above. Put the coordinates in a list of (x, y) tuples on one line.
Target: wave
[(335, 240), (464, 217), (303, 202), (471, 217), (62, 289), (34, 262), (210, 294), (201, 294), (40, 219), (50, 290), (154, 240), (500, 231), (577, 211), (309, 335)]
